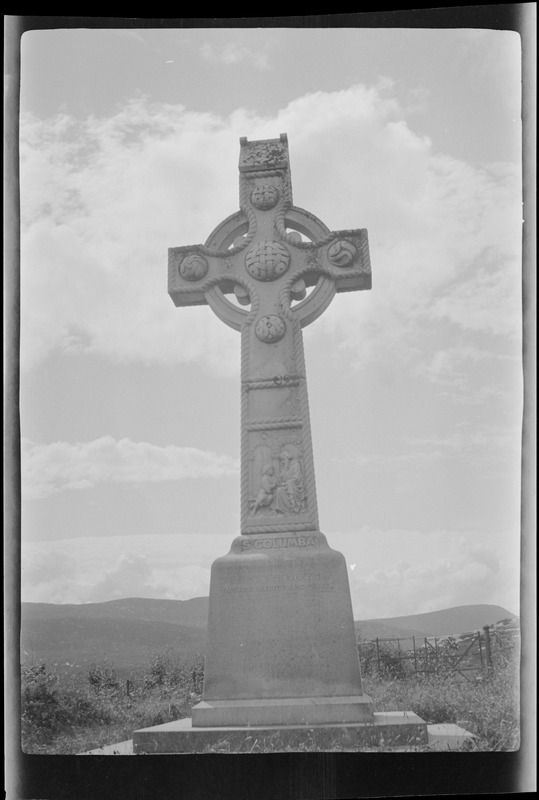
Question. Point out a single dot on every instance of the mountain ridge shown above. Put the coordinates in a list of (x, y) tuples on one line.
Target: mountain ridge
[(129, 631), (194, 612)]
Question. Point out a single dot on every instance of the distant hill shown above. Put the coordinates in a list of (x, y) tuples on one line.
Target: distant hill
[(373, 629), (459, 619), (177, 612), (128, 631), (126, 643)]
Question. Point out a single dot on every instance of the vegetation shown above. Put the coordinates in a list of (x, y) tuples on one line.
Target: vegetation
[(69, 713), (73, 712)]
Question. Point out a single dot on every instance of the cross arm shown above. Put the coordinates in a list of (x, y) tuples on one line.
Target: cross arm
[(342, 256)]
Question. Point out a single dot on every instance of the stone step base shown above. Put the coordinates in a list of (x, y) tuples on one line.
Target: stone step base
[(390, 729), (283, 711)]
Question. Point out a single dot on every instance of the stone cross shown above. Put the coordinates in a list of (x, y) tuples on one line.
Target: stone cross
[(281, 642), (269, 255)]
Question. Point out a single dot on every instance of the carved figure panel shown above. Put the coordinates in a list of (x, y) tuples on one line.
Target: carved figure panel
[(278, 482)]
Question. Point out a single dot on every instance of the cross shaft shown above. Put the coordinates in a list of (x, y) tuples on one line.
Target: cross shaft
[(269, 254)]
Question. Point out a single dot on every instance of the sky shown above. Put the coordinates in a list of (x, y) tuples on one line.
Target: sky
[(130, 407)]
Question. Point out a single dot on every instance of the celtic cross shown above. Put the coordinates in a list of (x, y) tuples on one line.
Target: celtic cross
[(268, 255)]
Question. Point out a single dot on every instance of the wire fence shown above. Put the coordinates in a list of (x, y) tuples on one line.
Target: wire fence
[(470, 655)]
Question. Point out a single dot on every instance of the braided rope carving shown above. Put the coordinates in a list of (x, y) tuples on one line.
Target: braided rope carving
[(275, 424), (244, 480), (281, 527), (272, 383), (308, 459)]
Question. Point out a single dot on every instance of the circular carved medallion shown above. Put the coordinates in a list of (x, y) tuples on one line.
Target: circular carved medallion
[(264, 196), (193, 267), (270, 328), (342, 253), (267, 261)]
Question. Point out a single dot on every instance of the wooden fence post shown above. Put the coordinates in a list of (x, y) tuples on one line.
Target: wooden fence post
[(488, 648), (480, 649)]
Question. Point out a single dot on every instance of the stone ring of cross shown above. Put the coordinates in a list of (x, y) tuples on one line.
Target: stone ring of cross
[(269, 253), (297, 222)]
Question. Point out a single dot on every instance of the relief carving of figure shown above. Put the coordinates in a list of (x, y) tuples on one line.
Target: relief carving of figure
[(290, 493), (266, 493)]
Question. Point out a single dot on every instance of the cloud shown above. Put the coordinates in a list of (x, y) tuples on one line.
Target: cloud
[(131, 576), (419, 572), (473, 576), (234, 52), (446, 366), (61, 466), (492, 60), (485, 445), (105, 568), (103, 199)]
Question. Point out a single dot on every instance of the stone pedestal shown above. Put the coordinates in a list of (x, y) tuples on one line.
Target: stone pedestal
[(282, 668), (281, 639)]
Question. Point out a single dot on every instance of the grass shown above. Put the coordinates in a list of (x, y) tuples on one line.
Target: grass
[(70, 713), (73, 713), (487, 707)]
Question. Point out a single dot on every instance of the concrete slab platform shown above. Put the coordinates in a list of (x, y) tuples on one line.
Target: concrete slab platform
[(447, 736), (389, 729), (120, 749), (440, 737)]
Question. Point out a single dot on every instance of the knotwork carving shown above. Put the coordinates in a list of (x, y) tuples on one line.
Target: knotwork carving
[(342, 253), (267, 260), (270, 328), (264, 196), (194, 267)]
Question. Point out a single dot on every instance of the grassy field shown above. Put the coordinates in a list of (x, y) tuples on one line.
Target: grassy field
[(72, 712)]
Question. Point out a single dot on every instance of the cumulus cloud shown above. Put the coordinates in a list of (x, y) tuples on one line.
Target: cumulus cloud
[(103, 199), (131, 576), (48, 574), (105, 568), (473, 576), (60, 466), (234, 52), (415, 576), (486, 445)]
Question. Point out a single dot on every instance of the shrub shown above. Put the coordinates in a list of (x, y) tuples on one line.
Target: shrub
[(41, 709), (103, 677), (381, 659), (49, 707)]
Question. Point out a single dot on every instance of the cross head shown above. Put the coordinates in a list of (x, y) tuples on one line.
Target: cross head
[(283, 267)]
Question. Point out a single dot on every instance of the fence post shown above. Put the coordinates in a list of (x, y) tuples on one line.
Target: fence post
[(377, 657), (480, 649), (488, 648), (415, 656)]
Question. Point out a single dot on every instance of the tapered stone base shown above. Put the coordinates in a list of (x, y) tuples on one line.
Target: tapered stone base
[(386, 732), (281, 628)]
